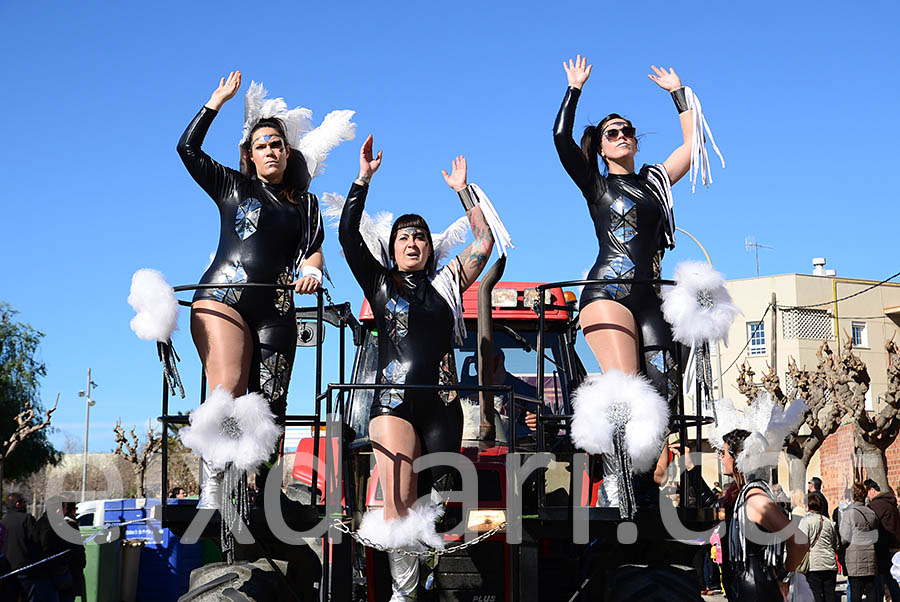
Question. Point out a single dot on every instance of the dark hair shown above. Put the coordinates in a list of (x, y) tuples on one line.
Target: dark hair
[(814, 502), (870, 484), (411, 220), (859, 492), (14, 500), (175, 491), (296, 175), (735, 440), (817, 483), (592, 138)]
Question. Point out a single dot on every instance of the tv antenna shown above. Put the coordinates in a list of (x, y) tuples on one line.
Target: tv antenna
[(750, 243)]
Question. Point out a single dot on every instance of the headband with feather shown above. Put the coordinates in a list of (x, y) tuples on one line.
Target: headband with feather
[(313, 142)]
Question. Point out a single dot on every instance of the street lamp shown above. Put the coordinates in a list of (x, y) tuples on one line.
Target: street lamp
[(86, 393)]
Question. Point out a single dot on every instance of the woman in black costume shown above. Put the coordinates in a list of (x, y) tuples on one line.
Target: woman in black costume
[(623, 323), (270, 227), (755, 555), (415, 312)]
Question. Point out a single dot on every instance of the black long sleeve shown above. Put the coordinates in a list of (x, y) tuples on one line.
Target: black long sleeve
[(590, 182), (366, 269), (217, 180)]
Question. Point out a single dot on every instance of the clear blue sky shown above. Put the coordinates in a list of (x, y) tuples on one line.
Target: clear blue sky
[(802, 99)]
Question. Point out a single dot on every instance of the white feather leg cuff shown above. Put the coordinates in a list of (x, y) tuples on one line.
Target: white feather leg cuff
[(156, 306), (414, 532), (698, 307), (605, 400), (224, 430)]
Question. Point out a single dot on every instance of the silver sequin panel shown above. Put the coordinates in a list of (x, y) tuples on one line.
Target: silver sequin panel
[(246, 220), (397, 315), (619, 267), (623, 219), (234, 272), (274, 376), (283, 298), (393, 373), (665, 364)]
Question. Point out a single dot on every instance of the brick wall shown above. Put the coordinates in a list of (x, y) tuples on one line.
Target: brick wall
[(837, 461)]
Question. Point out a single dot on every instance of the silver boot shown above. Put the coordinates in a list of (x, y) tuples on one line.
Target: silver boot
[(404, 577), (210, 486)]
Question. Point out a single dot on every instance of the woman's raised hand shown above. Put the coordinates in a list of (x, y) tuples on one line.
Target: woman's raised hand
[(577, 71), (457, 178), (667, 80), (226, 90), (368, 164)]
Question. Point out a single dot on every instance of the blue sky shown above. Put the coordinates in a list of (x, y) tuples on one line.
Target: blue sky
[(801, 99)]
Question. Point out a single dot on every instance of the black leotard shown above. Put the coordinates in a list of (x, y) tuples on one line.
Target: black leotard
[(415, 332), (262, 239), (630, 222), (752, 578)]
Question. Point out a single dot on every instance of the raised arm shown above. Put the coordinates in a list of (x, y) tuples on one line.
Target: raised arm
[(213, 177), (679, 162), (573, 160), (366, 269), (473, 258)]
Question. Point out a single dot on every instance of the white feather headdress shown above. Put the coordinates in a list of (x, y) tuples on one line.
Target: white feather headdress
[(314, 142), (768, 423)]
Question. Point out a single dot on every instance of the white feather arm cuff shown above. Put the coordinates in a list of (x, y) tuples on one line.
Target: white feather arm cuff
[(698, 307), (224, 430), (156, 306), (605, 400)]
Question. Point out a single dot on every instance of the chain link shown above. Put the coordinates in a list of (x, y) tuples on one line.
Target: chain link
[(340, 316), (343, 528)]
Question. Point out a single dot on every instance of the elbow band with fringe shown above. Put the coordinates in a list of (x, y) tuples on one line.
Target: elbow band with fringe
[(467, 199)]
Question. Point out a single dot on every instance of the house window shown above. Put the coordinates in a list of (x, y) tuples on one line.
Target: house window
[(858, 330), (756, 333)]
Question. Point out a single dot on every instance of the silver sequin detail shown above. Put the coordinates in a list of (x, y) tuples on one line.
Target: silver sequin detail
[(619, 413), (230, 428), (234, 272), (665, 364), (623, 219), (274, 374), (705, 298), (397, 316), (283, 298), (619, 267), (394, 373), (246, 219)]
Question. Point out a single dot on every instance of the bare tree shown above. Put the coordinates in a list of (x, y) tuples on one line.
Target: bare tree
[(27, 423), (835, 391), (139, 455)]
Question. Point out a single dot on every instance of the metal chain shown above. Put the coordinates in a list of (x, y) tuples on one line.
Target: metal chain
[(343, 528), (341, 318)]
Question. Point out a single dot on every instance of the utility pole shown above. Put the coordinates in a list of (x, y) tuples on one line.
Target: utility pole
[(87, 421), (774, 334)]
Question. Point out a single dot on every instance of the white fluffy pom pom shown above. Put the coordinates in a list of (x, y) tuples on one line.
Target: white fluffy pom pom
[(698, 307), (156, 306), (239, 431), (601, 397), (414, 531)]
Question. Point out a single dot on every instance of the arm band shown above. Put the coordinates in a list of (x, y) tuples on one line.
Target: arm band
[(467, 198), (310, 270), (680, 99)]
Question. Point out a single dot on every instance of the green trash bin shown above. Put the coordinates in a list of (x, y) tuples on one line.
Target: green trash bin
[(104, 558)]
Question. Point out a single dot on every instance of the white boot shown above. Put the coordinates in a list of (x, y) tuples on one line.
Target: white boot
[(404, 577), (210, 486)]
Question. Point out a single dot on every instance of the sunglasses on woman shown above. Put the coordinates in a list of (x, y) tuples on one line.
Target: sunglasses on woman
[(613, 133)]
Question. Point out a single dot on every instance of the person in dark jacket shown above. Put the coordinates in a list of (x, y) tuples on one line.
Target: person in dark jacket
[(884, 505), (815, 486), (21, 548)]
